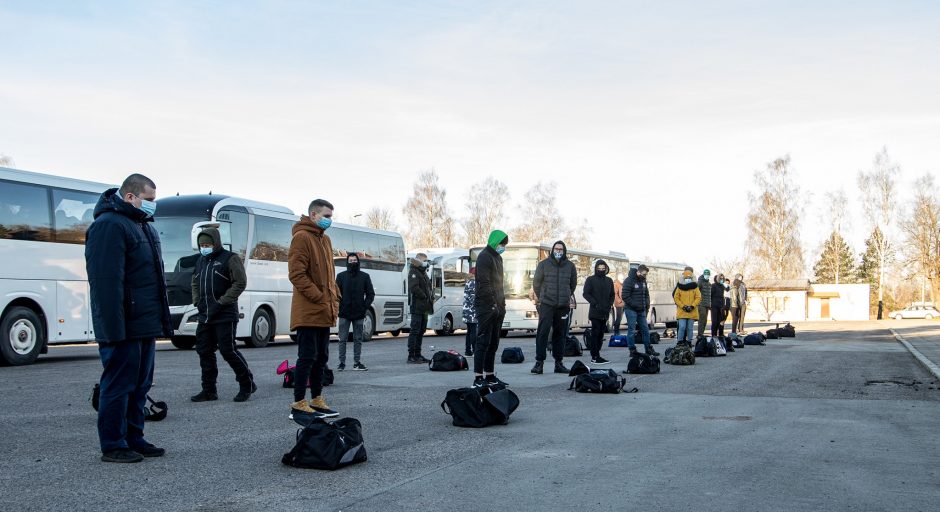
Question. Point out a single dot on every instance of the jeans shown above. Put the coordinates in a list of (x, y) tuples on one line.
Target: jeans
[(618, 317), (221, 337), (597, 334), (552, 319), (313, 352), (685, 329), (419, 324), (471, 339), (344, 335), (487, 343), (636, 321), (125, 382), (702, 319)]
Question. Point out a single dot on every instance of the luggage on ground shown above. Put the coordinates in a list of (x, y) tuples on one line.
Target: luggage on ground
[(480, 407), (599, 381), (156, 411), (573, 347), (755, 338), (449, 361), (617, 340), (716, 347), (680, 355), (643, 363), (701, 347), (512, 355), (287, 370), (322, 445)]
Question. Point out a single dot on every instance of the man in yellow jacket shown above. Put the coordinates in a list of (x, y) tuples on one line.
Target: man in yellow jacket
[(687, 297)]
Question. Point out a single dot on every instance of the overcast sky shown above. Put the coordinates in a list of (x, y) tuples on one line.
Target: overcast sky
[(651, 116)]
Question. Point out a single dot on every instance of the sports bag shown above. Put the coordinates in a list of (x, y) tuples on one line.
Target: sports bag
[(787, 331), (156, 411), (669, 333), (599, 381), (755, 338), (643, 363), (736, 341), (701, 347), (450, 361), (573, 347), (322, 445), (480, 407), (681, 355), (617, 340), (512, 355), (654, 338), (772, 334), (287, 370), (716, 347)]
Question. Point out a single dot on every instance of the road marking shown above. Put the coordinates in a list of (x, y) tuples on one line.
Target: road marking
[(927, 363)]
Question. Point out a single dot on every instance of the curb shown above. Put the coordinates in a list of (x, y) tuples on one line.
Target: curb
[(929, 365)]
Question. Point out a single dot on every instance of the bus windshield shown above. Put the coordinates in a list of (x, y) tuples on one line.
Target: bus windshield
[(519, 271), (175, 239)]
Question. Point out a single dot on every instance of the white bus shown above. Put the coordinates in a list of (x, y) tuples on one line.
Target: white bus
[(449, 272), (43, 284), (662, 280), (260, 234), (519, 262)]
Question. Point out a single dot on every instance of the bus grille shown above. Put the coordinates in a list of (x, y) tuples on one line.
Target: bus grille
[(394, 312)]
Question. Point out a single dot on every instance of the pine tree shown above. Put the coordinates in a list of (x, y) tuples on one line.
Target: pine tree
[(836, 263), (870, 264)]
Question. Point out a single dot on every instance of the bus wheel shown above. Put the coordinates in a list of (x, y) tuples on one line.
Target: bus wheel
[(23, 336), (183, 342), (447, 327), (396, 333), (262, 329), (368, 326)]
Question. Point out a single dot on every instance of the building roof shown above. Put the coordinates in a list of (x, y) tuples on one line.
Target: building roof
[(778, 284)]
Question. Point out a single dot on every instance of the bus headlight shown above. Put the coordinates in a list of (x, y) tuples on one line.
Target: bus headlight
[(531, 314)]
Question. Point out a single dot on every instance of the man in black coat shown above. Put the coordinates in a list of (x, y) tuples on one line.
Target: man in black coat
[(636, 301), (218, 280), (129, 310), (599, 292), (422, 305), (356, 295), (490, 303), (555, 280)]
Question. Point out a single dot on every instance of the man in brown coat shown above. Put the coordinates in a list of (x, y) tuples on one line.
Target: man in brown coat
[(315, 305)]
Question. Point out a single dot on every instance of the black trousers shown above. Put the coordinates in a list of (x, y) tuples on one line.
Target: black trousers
[(313, 352), (471, 340), (597, 334), (484, 355), (618, 317), (718, 326), (736, 320), (221, 337), (419, 324), (552, 319)]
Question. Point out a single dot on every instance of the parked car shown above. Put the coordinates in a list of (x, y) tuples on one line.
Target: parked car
[(915, 311)]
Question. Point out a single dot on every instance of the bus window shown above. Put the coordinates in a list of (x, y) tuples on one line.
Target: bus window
[(342, 241), (25, 212), (272, 238), (233, 227), (73, 213)]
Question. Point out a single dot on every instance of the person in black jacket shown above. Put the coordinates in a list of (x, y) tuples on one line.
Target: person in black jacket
[(636, 301), (422, 305), (218, 280), (718, 305), (129, 310), (599, 292), (555, 280), (490, 304), (356, 295)]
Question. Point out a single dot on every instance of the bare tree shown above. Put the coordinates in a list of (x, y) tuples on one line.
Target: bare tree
[(774, 248), (380, 218), (921, 227), (878, 191), (429, 221), (540, 214), (578, 236), (6, 160), (485, 207)]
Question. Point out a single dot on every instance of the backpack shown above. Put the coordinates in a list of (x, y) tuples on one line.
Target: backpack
[(480, 407), (681, 355), (287, 370), (643, 363), (156, 411), (716, 347), (450, 361), (787, 331), (322, 445), (617, 340), (599, 381), (701, 347), (654, 338), (755, 338), (512, 355), (573, 347)]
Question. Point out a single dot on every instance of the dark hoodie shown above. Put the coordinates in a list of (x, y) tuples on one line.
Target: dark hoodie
[(636, 293), (555, 280), (490, 300), (419, 289), (218, 280), (125, 273), (599, 292), (355, 291)]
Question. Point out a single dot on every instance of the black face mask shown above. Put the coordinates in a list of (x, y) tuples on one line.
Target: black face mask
[(353, 267)]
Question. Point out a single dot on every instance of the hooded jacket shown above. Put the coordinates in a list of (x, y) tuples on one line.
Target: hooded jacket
[(705, 288), (125, 273), (599, 292), (636, 293), (315, 302), (490, 300), (218, 280), (738, 294), (555, 280), (355, 290), (687, 295), (420, 292), (718, 296)]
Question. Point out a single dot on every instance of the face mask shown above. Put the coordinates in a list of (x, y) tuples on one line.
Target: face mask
[(353, 265), (205, 251), (559, 254), (324, 223), (425, 264), (688, 280), (148, 207), (602, 270), (642, 274), (500, 249)]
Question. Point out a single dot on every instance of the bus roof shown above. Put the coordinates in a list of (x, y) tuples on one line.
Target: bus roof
[(548, 247), (50, 180), (440, 251)]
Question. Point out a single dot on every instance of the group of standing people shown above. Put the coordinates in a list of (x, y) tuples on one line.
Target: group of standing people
[(716, 297)]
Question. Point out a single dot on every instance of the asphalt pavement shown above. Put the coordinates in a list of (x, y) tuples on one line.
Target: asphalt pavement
[(840, 418)]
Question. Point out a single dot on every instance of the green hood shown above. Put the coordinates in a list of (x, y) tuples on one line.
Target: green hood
[(497, 237)]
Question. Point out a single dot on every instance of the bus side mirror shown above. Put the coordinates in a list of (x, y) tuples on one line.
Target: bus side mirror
[(197, 228)]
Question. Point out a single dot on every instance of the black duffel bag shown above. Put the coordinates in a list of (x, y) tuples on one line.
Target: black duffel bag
[(643, 363), (573, 346), (512, 355), (449, 361), (480, 407), (701, 347), (156, 411), (599, 381), (322, 445)]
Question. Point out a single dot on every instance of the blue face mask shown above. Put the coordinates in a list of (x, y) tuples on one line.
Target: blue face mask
[(324, 223), (500, 249), (148, 207), (205, 251), (559, 254)]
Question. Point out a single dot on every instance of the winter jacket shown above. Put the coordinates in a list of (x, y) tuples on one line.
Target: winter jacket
[(469, 297), (717, 296), (738, 294), (687, 295), (705, 287), (618, 289), (419, 289), (218, 280), (599, 292), (490, 297), (125, 273), (310, 269), (355, 293), (636, 293), (555, 280)]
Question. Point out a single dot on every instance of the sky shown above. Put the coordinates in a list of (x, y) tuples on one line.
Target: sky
[(652, 117)]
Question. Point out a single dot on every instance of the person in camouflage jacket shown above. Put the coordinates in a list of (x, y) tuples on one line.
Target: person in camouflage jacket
[(470, 311)]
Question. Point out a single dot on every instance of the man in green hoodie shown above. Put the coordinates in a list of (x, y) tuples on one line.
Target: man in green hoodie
[(490, 302)]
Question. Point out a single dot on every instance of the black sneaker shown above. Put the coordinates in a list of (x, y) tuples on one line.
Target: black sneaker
[(468, 353), (478, 382), (422, 359), (341, 367), (560, 367), (599, 360), (413, 360), (149, 450), (243, 394), (494, 381), (205, 396), (538, 368), (651, 351), (359, 367), (121, 455)]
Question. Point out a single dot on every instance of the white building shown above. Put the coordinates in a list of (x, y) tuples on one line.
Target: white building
[(793, 300)]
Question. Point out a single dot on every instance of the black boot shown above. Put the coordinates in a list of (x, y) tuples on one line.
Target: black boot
[(206, 395), (245, 392), (538, 367), (632, 351), (650, 351), (560, 367)]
